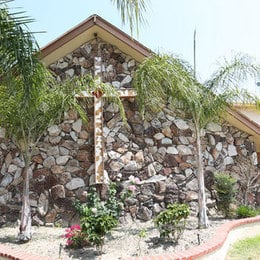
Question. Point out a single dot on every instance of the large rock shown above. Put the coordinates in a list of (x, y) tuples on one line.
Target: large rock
[(54, 130), (116, 166), (158, 136), (181, 124), (213, 127), (184, 150), (58, 191), (54, 150), (131, 166), (232, 150), (62, 160), (50, 217), (172, 150), (156, 123), (75, 183), (166, 141), (126, 81), (18, 162), (49, 162), (6, 180), (144, 213), (43, 205), (139, 157), (76, 126)]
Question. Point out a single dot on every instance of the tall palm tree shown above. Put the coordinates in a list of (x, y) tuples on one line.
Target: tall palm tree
[(27, 103), (165, 79), (30, 99), (22, 76)]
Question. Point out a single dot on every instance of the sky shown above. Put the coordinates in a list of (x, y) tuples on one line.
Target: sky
[(223, 27)]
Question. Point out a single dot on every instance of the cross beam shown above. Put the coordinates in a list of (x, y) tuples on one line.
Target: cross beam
[(98, 119)]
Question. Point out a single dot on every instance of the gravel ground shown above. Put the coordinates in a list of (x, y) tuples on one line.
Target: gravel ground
[(122, 242)]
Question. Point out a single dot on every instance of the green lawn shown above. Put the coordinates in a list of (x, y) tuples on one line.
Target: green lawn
[(245, 249)]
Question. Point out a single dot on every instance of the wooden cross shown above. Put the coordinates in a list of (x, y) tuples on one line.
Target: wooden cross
[(98, 118)]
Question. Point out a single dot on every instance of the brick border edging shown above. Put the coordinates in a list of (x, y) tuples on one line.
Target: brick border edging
[(212, 245), (7, 252)]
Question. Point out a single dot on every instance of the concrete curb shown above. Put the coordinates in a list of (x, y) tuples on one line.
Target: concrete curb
[(215, 248)]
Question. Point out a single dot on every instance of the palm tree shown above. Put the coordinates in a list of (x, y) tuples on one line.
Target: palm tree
[(165, 79), (21, 78), (30, 99)]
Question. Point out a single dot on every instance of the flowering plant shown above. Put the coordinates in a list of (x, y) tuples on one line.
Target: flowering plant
[(75, 238), (130, 188), (98, 217)]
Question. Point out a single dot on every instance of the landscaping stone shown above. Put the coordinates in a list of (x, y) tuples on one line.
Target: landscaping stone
[(75, 183)]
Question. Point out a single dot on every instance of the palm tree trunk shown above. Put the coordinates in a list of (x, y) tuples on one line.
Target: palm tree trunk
[(203, 218), (26, 221)]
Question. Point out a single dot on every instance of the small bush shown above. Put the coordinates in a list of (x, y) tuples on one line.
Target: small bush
[(172, 221), (244, 211), (225, 187), (98, 217)]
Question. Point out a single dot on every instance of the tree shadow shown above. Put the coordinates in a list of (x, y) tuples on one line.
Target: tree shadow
[(9, 239), (83, 253), (156, 242)]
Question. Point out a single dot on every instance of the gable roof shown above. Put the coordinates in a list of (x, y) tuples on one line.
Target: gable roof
[(247, 119), (86, 31), (97, 26)]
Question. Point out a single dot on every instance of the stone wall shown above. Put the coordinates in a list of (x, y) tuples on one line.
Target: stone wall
[(117, 67), (160, 151)]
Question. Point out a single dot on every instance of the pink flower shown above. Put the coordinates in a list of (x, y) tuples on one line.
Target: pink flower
[(134, 180), (69, 242), (137, 180), (132, 188), (84, 193), (69, 235), (75, 227)]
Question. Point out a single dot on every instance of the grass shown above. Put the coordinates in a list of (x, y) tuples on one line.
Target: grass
[(247, 249)]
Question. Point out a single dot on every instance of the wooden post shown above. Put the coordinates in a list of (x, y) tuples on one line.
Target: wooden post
[(98, 124)]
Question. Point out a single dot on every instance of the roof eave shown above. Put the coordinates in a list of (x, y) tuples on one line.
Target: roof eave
[(243, 119), (97, 23)]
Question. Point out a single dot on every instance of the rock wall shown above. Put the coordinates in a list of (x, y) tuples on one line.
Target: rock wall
[(117, 67), (160, 151)]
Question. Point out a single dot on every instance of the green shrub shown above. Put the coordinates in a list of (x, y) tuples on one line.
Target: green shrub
[(97, 218), (172, 221), (225, 187), (244, 211)]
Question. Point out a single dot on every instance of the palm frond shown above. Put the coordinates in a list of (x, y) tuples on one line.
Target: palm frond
[(132, 12), (18, 54), (161, 79), (232, 73)]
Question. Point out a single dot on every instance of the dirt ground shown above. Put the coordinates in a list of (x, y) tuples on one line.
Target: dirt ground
[(124, 241)]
